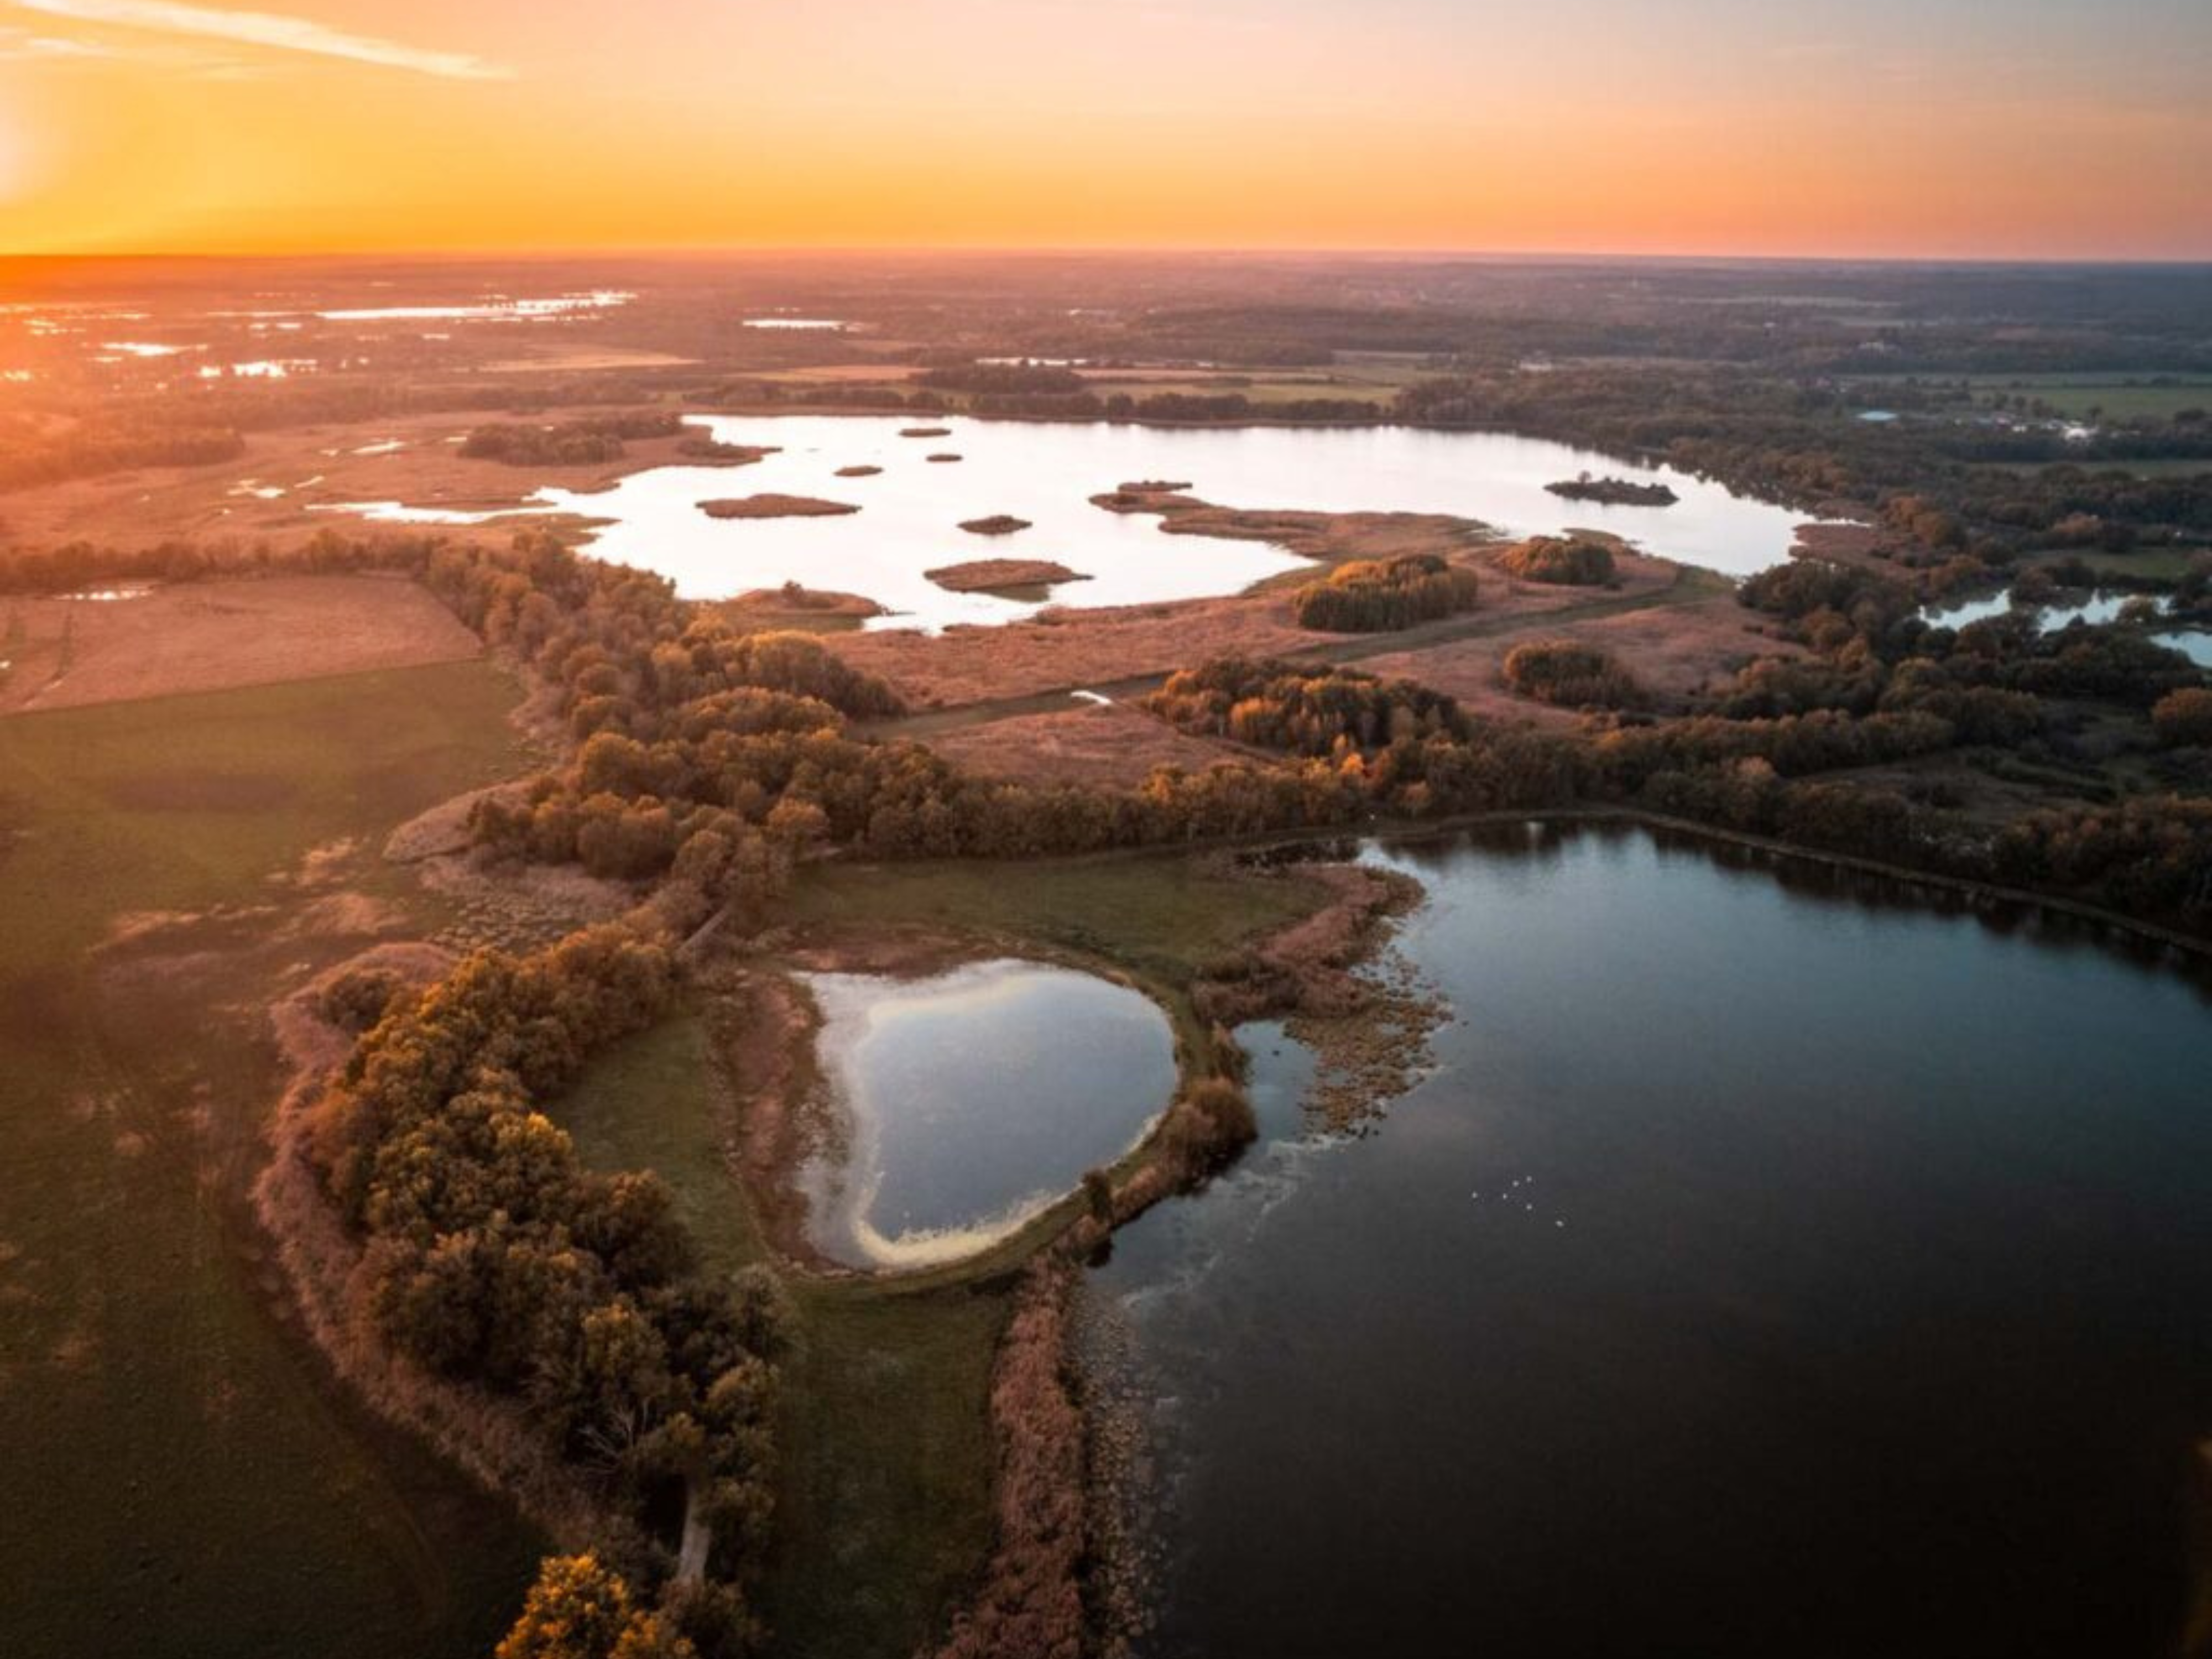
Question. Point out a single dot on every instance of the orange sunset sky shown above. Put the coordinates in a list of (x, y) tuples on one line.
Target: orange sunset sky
[(2030, 128)]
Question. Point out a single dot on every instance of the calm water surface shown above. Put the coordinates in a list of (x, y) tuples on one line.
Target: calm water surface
[(970, 1100), (1047, 473), (2102, 606), (1766, 1270)]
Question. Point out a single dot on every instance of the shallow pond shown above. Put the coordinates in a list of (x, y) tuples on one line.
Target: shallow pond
[(1047, 473), (1771, 1266), (968, 1100), (2102, 606)]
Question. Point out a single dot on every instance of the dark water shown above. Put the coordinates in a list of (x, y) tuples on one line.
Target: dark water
[(1770, 1268), (973, 1099)]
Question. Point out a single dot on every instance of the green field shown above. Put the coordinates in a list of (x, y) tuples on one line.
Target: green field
[(885, 1444), (182, 1477), (2117, 395), (2156, 563), (2120, 397)]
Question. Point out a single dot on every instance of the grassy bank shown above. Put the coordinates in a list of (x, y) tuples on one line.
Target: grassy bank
[(1158, 916), (181, 1479)]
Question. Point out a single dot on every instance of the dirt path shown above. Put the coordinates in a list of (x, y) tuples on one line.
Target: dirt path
[(698, 1537)]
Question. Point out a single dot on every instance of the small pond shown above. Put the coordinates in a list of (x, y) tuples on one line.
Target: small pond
[(2100, 607), (968, 1100)]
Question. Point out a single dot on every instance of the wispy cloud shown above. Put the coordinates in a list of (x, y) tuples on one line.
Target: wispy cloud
[(19, 46), (269, 30)]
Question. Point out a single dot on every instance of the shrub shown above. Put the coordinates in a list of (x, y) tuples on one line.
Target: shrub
[(2184, 718), (1565, 561), (1569, 675), (1372, 595), (359, 997), (1207, 1126)]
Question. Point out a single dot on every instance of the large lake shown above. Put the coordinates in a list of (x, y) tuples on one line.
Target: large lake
[(1047, 473), (970, 1100), (1770, 1267)]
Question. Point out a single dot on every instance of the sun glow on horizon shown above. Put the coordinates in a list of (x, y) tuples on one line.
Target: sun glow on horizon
[(2060, 128)]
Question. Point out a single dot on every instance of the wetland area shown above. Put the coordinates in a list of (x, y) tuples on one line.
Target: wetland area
[(910, 513)]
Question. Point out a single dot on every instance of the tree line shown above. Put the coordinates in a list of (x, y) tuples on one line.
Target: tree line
[(586, 441), (492, 1258)]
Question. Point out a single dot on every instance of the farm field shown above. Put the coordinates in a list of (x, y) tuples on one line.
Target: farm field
[(183, 1479)]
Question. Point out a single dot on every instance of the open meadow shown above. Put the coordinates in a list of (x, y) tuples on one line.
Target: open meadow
[(184, 1477)]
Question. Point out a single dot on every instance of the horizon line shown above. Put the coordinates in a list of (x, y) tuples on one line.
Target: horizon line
[(1102, 250)]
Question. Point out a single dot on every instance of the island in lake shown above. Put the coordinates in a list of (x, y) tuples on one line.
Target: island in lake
[(1009, 577), (1613, 492), (775, 507), (997, 524)]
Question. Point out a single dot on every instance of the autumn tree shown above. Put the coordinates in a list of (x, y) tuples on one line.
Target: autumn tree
[(578, 1609)]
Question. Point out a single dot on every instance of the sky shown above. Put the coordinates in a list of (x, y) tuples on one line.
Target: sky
[(2055, 129)]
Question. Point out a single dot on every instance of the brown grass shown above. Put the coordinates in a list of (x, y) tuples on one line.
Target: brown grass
[(1030, 1601), (315, 466), (1062, 648), (1112, 746), (205, 636), (1672, 650), (1360, 1006), (1863, 546), (764, 1026), (766, 606)]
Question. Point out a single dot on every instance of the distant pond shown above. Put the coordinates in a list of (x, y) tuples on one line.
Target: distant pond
[(968, 1100), (1777, 1263), (1045, 472), (2098, 608)]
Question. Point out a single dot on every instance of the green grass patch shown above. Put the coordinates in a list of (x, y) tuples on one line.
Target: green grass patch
[(884, 1453), (883, 1512), (182, 1477), (2153, 563), (649, 1102), (2118, 397), (1160, 916)]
